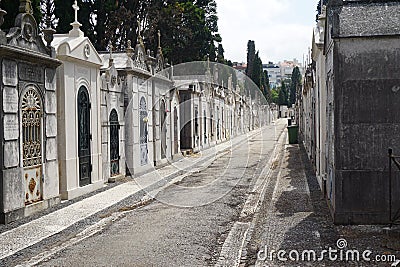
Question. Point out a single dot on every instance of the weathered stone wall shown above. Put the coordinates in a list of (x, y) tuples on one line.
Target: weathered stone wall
[(17, 77), (367, 93)]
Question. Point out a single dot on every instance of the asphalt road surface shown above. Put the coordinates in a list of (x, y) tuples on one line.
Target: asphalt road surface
[(188, 221)]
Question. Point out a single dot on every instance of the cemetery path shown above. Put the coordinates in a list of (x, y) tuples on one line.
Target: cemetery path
[(186, 223)]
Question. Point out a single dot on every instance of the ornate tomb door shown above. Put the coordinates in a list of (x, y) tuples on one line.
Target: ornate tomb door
[(114, 143), (32, 144), (163, 129), (143, 119), (84, 137)]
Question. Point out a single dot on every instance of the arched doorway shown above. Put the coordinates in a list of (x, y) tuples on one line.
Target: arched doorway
[(143, 131), (163, 129), (84, 137), (114, 143), (32, 144)]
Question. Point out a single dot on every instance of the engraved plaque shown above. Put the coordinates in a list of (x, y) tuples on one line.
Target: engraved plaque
[(10, 99), (31, 73), (113, 99), (11, 155), (50, 79), (11, 129), (10, 73), (82, 71), (51, 102)]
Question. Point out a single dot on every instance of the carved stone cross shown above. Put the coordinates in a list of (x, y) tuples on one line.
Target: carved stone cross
[(76, 8)]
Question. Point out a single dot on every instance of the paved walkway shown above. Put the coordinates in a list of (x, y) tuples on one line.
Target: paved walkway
[(294, 218), (39, 229)]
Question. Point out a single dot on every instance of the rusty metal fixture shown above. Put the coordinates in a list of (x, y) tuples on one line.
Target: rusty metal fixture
[(32, 185), (27, 196), (393, 218), (37, 193), (26, 176)]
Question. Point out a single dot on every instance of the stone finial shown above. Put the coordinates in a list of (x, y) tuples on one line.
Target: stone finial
[(129, 49), (159, 38), (48, 32), (139, 28), (110, 60), (140, 33), (49, 35), (25, 6)]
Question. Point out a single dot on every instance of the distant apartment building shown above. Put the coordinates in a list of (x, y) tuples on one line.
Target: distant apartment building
[(274, 74), (281, 71)]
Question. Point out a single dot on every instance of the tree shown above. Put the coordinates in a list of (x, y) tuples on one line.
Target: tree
[(49, 19), (275, 96), (294, 85), (283, 95), (220, 54), (251, 54)]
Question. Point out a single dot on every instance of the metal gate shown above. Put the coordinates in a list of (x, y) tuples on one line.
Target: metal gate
[(163, 130), (143, 131), (176, 130), (205, 126), (84, 137), (114, 143), (32, 140), (196, 126)]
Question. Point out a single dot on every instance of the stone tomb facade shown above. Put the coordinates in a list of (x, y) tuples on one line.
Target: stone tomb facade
[(79, 136), (29, 177), (112, 121)]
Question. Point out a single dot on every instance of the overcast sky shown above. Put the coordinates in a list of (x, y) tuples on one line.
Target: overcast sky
[(281, 29)]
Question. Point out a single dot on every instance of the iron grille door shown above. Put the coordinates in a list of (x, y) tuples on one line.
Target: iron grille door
[(84, 137), (143, 131), (114, 143), (32, 140)]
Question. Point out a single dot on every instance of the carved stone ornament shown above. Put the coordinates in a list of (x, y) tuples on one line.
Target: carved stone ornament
[(86, 50), (32, 185), (25, 34)]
